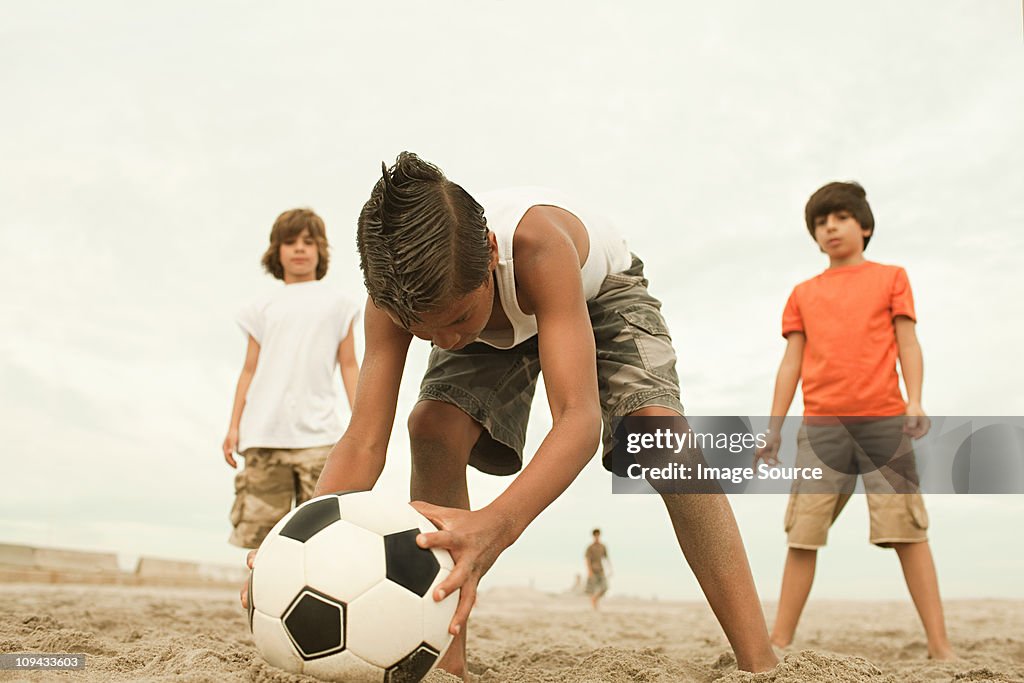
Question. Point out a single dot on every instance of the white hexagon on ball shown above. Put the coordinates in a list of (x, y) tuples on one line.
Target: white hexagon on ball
[(274, 644), (344, 561), (344, 666), (380, 513), (438, 615), (385, 624), (278, 574)]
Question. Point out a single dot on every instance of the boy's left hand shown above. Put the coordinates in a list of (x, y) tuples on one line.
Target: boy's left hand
[(769, 453), (474, 539), (916, 424)]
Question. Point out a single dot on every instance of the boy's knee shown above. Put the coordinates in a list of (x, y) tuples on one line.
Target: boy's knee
[(441, 439), (434, 426)]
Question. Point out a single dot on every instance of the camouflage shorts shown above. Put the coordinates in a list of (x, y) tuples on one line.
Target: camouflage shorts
[(636, 367), (271, 481)]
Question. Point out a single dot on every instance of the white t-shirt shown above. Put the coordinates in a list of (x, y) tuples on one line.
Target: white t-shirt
[(295, 397)]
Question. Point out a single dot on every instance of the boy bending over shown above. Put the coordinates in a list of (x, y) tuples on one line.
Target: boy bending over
[(504, 286)]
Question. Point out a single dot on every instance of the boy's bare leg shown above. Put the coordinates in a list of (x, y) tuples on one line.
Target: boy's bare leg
[(711, 543), (441, 437), (796, 586), (710, 540), (919, 572)]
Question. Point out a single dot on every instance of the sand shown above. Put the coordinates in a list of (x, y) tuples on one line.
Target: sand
[(176, 634)]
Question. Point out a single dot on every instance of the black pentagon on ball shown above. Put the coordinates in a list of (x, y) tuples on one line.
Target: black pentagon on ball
[(308, 520), (409, 565), (316, 624), (413, 667)]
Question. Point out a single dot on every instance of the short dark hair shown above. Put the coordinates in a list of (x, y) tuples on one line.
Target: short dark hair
[(422, 240), (595, 532), (838, 196), (287, 227)]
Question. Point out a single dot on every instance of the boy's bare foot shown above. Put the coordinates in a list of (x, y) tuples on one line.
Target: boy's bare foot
[(454, 659), (758, 662), (944, 654), (446, 676), (455, 669)]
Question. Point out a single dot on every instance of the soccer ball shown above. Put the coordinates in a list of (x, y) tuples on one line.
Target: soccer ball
[(341, 591)]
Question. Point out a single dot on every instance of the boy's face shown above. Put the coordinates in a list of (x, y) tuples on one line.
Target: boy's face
[(839, 234), (463, 321), (299, 257)]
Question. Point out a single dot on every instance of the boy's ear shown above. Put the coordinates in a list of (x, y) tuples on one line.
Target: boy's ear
[(492, 241)]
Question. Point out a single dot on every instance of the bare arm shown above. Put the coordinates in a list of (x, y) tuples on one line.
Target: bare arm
[(548, 272), (566, 348), (912, 364), (786, 381), (252, 354), (349, 365), (357, 459)]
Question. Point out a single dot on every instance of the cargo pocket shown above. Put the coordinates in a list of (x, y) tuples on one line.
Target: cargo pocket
[(790, 513), (238, 507), (652, 338), (917, 511)]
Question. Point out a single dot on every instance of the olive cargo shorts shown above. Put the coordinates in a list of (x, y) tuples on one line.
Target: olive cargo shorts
[(636, 367)]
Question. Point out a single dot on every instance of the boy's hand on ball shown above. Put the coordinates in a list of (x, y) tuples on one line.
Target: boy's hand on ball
[(244, 593), (474, 539)]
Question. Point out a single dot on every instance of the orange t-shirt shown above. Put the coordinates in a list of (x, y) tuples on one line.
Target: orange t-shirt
[(849, 363)]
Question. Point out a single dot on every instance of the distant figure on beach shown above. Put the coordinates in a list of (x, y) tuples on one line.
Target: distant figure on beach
[(596, 556), (845, 330), (285, 416)]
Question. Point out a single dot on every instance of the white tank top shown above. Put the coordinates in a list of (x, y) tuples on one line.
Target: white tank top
[(503, 210)]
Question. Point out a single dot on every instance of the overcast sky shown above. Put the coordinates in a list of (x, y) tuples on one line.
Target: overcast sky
[(147, 149)]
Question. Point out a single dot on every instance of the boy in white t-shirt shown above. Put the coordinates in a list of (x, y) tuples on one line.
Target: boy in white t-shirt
[(285, 418)]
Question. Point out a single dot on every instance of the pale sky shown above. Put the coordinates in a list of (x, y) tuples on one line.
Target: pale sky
[(147, 150)]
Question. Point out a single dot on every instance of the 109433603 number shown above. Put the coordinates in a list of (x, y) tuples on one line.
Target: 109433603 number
[(32, 660)]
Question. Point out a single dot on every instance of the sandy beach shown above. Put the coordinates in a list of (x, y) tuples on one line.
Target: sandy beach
[(133, 633)]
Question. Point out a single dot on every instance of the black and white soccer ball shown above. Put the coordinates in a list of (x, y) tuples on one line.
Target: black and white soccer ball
[(340, 590)]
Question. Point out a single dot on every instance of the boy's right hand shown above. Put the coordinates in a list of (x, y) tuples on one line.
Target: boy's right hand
[(229, 446), (770, 453)]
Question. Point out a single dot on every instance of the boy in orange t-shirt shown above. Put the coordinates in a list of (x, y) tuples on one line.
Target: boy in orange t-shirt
[(845, 329)]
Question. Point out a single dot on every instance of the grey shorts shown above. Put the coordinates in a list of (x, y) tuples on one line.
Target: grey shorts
[(636, 368)]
